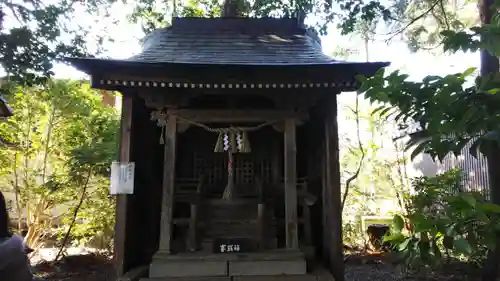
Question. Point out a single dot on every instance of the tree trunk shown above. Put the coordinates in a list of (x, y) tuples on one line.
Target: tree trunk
[(367, 49), (490, 64), (230, 8)]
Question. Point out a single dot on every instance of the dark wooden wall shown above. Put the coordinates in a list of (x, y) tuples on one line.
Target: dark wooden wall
[(142, 211), (332, 212)]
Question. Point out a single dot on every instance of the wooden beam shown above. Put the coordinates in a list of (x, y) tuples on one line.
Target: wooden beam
[(168, 184), (198, 115), (333, 191), (292, 241), (121, 200)]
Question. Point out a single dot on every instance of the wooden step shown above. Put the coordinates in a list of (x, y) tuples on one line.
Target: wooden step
[(239, 278), (205, 278), (161, 268), (223, 268), (267, 267), (276, 278)]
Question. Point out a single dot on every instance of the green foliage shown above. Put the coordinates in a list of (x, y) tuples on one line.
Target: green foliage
[(419, 23), (153, 14), (476, 38), (441, 114), (382, 179), (443, 222), (64, 138), (35, 34), (201, 8)]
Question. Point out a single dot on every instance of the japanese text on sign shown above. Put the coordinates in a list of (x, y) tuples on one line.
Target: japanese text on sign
[(229, 248)]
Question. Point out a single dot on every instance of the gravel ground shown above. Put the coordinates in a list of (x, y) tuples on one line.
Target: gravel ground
[(370, 272), (95, 267), (372, 267)]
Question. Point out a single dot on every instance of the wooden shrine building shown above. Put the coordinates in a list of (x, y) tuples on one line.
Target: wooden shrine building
[(232, 126)]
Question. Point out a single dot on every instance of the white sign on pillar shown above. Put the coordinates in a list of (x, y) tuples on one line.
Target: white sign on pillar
[(122, 178)]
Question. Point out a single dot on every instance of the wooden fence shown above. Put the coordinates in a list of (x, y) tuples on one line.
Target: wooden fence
[(475, 170)]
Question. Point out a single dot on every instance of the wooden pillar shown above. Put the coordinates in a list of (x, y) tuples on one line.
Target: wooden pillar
[(325, 207), (121, 200), (292, 240), (167, 202), (333, 191)]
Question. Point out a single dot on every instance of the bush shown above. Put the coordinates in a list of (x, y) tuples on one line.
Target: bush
[(444, 222)]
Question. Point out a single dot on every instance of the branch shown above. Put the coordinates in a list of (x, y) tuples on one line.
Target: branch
[(360, 164), (75, 214), (47, 142), (441, 5), (401, 30)]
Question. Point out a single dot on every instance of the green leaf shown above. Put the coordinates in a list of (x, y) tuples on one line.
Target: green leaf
[(469, 199), (398, 223), (462, 246), (468, 72), (378, 109), (493, 91), (418, 150), (403, 246), (490, 207), (395, 238)]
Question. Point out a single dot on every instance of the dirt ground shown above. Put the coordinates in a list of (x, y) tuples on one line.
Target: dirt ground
[(358, 267), (363, 266), (90, 267)]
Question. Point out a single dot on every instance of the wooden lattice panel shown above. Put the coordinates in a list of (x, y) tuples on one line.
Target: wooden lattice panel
[(246, 168), (267, 171), (245, 172), (213, 168)]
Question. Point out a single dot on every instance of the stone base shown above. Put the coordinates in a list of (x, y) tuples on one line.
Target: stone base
[(239, 278), (227, 265), (188, 279), (134, 274), (276, 278), (286, 267), (161, 268)]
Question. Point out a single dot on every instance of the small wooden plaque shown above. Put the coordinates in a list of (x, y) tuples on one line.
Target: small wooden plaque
[(233, 245)]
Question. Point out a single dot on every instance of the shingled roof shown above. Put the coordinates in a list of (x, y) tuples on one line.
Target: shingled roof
[(206, 52), (242, 41)]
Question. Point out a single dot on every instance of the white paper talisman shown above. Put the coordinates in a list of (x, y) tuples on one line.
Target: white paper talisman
[(122, 178)]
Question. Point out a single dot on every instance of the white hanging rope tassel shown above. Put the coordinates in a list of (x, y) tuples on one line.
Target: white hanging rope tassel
[(226, 142), (239, 141), (234, 139)]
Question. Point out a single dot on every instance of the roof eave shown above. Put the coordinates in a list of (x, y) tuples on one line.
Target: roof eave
[(92, 65), (103, 73)]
